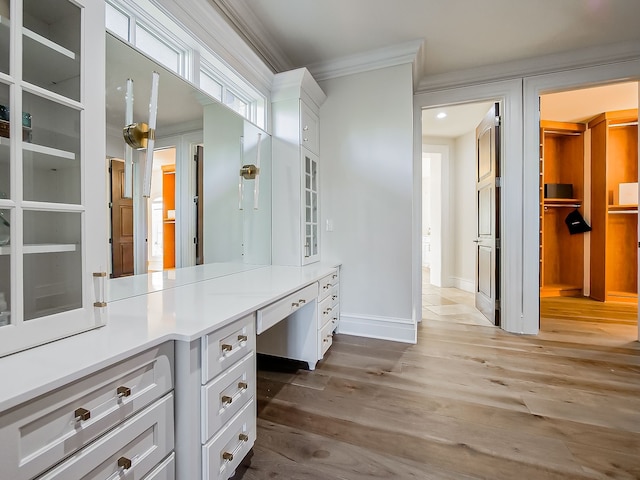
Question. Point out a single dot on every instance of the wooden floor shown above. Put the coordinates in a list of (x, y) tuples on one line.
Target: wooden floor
[(468, 401)]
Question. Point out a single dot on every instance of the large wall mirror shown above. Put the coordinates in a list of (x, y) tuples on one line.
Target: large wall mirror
[(201, 210)]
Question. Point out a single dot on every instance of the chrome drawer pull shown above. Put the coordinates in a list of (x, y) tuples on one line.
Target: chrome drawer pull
[(123, 391), (302, 301), (242, 338), (82, 414), (327, 286), (227, 456), (295, 304), (124, 463), (226, 400), (226, 347), (328, 310), (305, 128), (244, 437), (243, 385), (325, 340), (334, 297), (334, 276)]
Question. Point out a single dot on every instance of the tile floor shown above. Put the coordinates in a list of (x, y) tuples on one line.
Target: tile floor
[(449, 304)]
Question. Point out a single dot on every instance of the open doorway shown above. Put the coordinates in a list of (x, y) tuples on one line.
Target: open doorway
[(589, 169), (449, 220)]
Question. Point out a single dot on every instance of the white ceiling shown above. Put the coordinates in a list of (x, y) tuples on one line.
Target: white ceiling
[(457, 34)]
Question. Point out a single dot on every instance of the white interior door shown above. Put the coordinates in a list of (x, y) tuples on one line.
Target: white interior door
[(488, 215)]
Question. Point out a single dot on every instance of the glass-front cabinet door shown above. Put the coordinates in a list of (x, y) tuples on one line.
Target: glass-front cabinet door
[(52, 170), (310, 250)]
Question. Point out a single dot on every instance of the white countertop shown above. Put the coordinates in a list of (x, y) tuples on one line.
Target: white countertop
[(184, 310)]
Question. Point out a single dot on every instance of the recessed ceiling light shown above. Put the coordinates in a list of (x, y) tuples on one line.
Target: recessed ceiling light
[(441, 115)]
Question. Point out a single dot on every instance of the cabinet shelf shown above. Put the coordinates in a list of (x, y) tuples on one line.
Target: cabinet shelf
[(42, 248), (50, 151), (51, 65)]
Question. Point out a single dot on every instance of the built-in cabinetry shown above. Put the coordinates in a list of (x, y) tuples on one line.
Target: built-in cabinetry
[(52, 128), (301, 325), (168, 216), (296, 100), (561, 166), (614, 238), (116, 422)]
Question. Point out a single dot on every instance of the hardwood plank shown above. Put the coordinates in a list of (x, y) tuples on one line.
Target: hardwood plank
[(468, 401)]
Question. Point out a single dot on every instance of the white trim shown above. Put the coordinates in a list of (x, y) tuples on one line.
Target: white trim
[(533, 87), (511, 271), (598, 55), (206, 24), (399, 54), (385, 328), (464, 284)]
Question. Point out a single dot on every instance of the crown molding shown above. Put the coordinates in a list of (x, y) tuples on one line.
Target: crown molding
[(251, 29), (398, 54), (587, 57)]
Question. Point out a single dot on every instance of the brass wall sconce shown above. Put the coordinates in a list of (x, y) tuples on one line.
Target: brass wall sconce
[(249, 172)]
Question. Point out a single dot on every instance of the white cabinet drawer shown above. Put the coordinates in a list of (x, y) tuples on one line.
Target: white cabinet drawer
[(325, 339), (325, 311), (327, 283), (131, 450), (222, 455), (165, 471), (39, 434), (309, 129), (224, 347), (335, 316), (277, 311), (224, 397), (335, 294)]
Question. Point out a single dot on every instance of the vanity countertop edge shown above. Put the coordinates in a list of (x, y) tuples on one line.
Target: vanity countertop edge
[(135, 324)]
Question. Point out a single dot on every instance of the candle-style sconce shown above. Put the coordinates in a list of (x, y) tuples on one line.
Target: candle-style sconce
[(140, 136)]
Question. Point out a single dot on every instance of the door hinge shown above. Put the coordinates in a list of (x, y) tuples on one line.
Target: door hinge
[(498, 120), (110, 204), (195, 199), (498, 182), (497, 304), (497, 243), (111, 240)]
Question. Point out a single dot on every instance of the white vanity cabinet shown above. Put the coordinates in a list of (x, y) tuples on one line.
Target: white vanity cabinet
[(118, 420), (328, 311), (52, 195), (296, 101), (215, 399)]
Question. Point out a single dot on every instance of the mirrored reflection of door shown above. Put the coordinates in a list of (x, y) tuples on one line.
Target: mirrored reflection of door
[(488, 202), (121, 223)]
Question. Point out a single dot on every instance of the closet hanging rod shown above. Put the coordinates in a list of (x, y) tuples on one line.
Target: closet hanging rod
[(559, 132), (619, 212), (625, 124), (558, 205)]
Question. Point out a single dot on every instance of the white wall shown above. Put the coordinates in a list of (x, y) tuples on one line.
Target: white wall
[(366, 190), (464, 206)]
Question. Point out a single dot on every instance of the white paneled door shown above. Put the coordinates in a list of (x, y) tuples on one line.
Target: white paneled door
[(488, 214)]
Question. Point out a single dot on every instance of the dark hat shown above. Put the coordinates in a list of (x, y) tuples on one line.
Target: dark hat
[(576, 223)]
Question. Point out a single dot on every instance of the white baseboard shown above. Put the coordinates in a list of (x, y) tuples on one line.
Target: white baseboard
[(464, 284), (385, 328)]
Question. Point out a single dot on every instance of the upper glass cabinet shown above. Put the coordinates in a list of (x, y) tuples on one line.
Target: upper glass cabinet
[(51, 46), (51, 170)]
